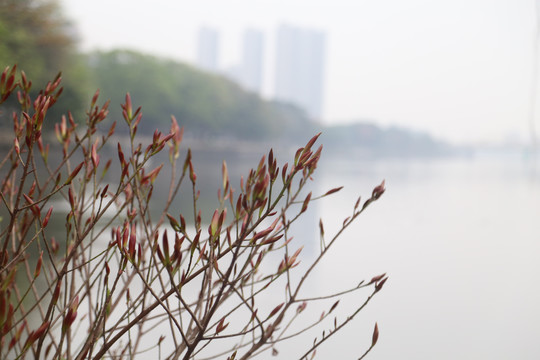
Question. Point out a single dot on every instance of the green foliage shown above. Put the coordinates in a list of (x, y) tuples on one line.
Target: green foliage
[(208, 105), (35, 36)]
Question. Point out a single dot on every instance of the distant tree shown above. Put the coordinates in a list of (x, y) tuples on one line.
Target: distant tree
[(207, 104), (36, 36)]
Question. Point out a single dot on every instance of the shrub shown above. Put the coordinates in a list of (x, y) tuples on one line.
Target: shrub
[(193, 285)]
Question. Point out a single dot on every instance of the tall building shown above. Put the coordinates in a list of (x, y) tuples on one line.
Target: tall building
[(208, 49), (252, 60), (299, 73)]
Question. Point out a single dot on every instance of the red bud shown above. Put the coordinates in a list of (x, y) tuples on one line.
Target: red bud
[(129, 107), (94, 154), (375, 335), (334, 190), (47, 217), (306, 202), (301, 307), (333, 306), (38, 265), (74, 173), (377, 278), (379, 286), (221, 326), (378, 191), (94, 98), (276, 309)]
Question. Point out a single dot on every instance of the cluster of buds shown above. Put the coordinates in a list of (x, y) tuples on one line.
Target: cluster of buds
[(268, 235), (258, 194), (45, 99), (53, 86), (31, 124), (148, 179), (379, 281), (289, 262), (171, 262), (125, 238), (301, 307), (63, 132), (97, 115), (132, 118), (255, 189), (305, 159), (214, 229), (123, 162), (23, 95), (34, 124), (375, 195), (378, 191), (188, 164), (178, 227), (221, 325), (158, 143)]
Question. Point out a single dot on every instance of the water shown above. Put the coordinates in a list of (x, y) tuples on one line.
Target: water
[(460, 241)]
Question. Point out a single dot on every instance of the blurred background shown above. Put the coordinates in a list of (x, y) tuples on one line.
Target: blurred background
[(440, 98)]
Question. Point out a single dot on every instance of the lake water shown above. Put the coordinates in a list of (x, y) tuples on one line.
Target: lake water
[(460, 241)]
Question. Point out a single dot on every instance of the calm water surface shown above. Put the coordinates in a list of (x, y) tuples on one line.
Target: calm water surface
[(460, 240)]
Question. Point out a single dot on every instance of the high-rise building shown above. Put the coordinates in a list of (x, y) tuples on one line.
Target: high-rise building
[(252, 60), (208, 49), (299, 72)]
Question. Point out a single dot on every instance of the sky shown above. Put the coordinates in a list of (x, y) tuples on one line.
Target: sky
[(461, 70)]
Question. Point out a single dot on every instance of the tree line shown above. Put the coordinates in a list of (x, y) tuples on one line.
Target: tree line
[(35, 36)]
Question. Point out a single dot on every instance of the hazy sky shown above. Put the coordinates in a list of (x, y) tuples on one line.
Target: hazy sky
[(459, 69)]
